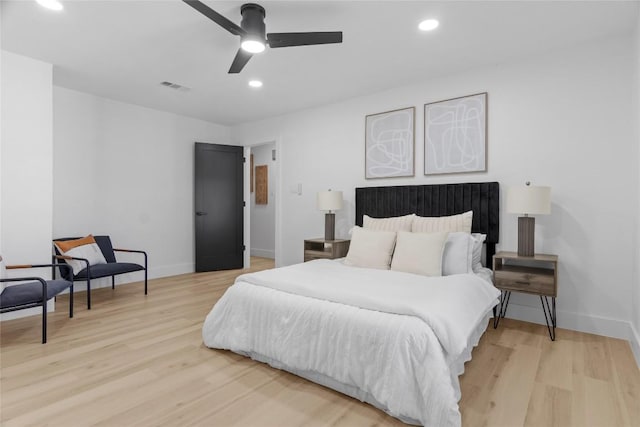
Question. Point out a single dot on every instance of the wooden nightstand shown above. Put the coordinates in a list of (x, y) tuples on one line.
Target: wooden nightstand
[(327, 249), (536, 275)]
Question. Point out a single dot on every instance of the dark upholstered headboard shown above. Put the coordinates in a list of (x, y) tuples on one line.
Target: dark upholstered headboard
[(437, 200)]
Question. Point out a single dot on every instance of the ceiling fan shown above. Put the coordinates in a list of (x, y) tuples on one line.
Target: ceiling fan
[(252, 33)]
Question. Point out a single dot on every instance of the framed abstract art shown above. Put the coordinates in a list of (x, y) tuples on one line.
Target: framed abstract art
[(455, 135), (389, 144)]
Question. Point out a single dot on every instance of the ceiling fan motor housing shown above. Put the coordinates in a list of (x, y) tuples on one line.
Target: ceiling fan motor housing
[(253, 21)]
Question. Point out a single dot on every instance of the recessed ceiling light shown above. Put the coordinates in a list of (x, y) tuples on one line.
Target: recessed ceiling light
[(429, 24), (255, 83), (50, 4)]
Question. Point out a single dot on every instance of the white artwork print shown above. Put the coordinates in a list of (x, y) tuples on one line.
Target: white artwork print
[(389, 141), (455, 135)]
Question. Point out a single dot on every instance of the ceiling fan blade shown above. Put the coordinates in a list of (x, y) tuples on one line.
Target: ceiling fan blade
[(216, 17), (303, 39), (241, 59)]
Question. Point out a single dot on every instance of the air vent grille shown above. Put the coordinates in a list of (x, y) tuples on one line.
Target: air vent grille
[(175, 86)]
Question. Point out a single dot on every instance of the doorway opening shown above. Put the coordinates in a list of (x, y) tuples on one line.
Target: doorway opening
[(263, 200)]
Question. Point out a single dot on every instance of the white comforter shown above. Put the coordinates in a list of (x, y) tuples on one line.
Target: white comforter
[(392, 339)]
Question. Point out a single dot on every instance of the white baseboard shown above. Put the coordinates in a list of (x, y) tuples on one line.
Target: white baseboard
[(635, 344), (264, 253), (575, 321), (597, 325), (138, 276), (105, 282)]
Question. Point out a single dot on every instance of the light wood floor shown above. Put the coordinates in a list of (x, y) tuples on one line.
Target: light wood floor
[(136, 360)]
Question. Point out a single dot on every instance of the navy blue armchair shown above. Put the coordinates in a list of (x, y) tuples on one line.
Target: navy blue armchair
[(111, 268), (35, 292)]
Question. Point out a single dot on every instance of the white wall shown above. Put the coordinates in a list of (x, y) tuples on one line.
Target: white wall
[(127, 171), (563, 119), (263, 217), (636, 112), (26, 192)]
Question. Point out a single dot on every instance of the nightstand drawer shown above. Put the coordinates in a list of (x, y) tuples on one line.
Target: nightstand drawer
[(311, 255), (525, 282), (325, 249)]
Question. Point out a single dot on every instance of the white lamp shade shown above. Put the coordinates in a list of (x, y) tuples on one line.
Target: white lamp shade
[(529, 200), (329, 200)]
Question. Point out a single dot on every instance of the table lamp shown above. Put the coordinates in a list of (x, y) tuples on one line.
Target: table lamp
[(329, 201), (528, 200)]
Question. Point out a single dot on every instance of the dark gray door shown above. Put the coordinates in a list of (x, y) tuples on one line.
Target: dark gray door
[(219, 207)]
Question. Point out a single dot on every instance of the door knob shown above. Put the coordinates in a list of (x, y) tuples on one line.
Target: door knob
[(201, 213)]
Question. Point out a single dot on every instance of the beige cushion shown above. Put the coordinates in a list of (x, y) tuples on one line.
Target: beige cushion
[(85, 248), (453, 223), (370, 249), (419, 253), (396, 223)]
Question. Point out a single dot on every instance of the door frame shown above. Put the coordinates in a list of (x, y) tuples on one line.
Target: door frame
[(277, 141)]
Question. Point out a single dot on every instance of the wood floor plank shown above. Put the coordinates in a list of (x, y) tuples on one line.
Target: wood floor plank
[(549, 406), (555, 367), (136, 360), (508, 403), (627, 379)]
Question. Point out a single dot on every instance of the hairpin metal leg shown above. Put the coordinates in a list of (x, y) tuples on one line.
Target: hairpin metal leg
[(504, 303), (549, 315)]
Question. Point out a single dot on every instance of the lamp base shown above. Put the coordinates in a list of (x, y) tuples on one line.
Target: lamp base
[(330, 226), (526, 234)]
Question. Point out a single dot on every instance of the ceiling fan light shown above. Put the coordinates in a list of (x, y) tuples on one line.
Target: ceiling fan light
[(252, 46), (429, 24), (50, 4)]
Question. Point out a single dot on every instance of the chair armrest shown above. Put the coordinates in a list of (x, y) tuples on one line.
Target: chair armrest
[(135, 251), (29, 278), (13, 267), (67, 266)]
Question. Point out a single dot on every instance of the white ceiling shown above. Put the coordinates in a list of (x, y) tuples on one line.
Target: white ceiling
[(124, 49)]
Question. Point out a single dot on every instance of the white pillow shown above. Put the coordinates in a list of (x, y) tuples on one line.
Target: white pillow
[(419, 253), (86, 248), (453, 223), (396, 223), (478, 240), (458, 254), (370, 249)]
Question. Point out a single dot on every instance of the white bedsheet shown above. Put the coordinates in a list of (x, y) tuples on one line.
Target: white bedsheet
[(399, 348)]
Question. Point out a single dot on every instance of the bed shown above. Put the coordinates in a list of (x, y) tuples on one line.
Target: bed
[(396, 340)]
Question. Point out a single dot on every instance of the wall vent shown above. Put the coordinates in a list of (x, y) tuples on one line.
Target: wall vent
[(175, 86)]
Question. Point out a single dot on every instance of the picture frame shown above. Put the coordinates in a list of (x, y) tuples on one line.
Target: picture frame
[(262, 185), (390, 144), (455, 135)]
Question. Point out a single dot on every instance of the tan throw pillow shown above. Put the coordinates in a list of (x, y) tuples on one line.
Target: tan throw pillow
[(461, 222), (370, 249), (86, 248), (396, 223), (419, 253)]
